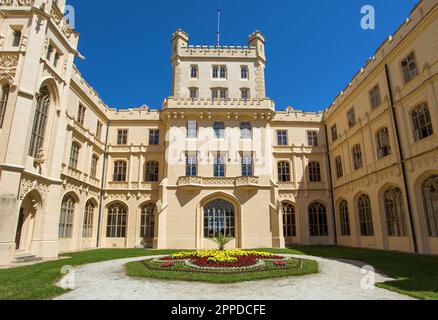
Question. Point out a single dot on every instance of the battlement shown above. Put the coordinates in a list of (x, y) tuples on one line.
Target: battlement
[(293, 115), (171, 103), (142, 113), (423, 8), (182, 48)]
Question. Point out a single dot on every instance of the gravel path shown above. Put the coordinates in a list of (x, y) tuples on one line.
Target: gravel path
[(336, 281)]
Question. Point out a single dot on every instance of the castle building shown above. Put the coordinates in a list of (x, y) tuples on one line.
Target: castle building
[(217, 158)]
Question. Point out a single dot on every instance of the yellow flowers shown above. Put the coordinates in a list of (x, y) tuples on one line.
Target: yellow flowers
[(220, 256)]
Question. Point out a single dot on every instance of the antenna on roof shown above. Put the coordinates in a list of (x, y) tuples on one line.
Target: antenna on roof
[(218, 23)]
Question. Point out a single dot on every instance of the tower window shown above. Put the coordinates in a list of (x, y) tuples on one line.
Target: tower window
[(244, 73), (194, 72)]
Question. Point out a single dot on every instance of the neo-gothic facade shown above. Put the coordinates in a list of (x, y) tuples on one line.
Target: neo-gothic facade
[(217, 158)]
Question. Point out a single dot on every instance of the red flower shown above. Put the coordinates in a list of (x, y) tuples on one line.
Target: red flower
[(167, 265)]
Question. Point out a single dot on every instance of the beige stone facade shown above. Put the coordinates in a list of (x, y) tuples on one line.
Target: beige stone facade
[(217, 157)]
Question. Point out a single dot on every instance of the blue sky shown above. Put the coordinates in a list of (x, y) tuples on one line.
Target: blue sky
[(313, 47)]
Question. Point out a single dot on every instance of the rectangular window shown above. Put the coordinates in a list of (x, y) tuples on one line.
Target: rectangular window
[(334, 133), (214, 94), (314, 172), (192, 165), (409, 67), (351, 118), (244, 74), (223, 72), (357, 157), (219, 130), (245, 131), (122, 137), (282, 138), (16, 38), (375, 97), (383, 144), (215, 71), (192, 129), (193, 93), (219, 166), (339, 168), (74, 155), (94, 161), (194, 72), (99, 130), (312, 138), (247, 165), (422, 122), (49, 52), (223, 94), (81, 114), (4, 95), (245, 94), (154, 137), (56, 59), (152, 171), (120, 169)]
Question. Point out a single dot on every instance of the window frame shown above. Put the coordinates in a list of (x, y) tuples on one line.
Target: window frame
[(120, 171), (122, 137), (407, 74), (315, 172), (312, 138), (154, 137), (74, 155), (282, 140), (422, 122), (284, 171)]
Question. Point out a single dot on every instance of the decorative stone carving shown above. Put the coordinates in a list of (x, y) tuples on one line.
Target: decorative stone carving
[(8, 66), (27, 185)]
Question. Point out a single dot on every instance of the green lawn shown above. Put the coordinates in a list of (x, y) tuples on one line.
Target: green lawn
[(416, 275), (138, 270), (37, 282)]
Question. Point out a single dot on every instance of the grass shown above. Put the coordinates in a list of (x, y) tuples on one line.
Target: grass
[(138, 270), (415, 275), (37, 282)]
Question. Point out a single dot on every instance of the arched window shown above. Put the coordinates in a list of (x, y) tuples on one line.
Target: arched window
[(318, 220), (116, 225), (283, 171), (383, 144), (152, 170), (219, 219), (94, 162), (345, 218), (365, 216), (395, 213), (4, 95), (87, 231), (147, 222), (119, 171), (422, 122), (314, 172), (66, 219), (246, 130), (289, 224), (74, 155), (429, 191), (39, 122), (357, 157)]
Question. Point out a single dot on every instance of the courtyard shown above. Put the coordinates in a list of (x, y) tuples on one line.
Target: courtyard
[(101, 274)]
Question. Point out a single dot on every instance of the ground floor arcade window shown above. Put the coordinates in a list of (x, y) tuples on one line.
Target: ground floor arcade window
[(318, 220), (429, 191), (66, 218), (116, 226), (289, 224), (219, 219), (147, 222)]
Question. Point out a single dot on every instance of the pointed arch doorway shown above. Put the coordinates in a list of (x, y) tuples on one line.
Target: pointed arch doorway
[(26, 222)]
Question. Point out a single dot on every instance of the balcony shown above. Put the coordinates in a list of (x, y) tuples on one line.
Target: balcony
[(247, 183), (196, 183), (190, 183)]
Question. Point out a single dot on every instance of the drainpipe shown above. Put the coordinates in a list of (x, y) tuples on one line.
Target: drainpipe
[(402, 160), (332, 198), (102, 186)]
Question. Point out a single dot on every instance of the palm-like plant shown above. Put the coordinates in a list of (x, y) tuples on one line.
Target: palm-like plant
[(222, 240)]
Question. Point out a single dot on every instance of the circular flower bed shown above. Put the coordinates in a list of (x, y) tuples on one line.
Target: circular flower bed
[(227, 261)]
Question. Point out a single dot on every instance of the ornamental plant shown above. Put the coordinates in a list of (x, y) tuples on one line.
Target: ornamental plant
[(222, 240)]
